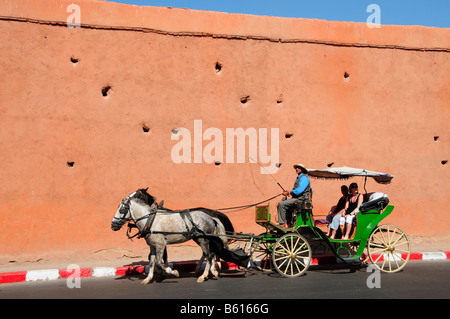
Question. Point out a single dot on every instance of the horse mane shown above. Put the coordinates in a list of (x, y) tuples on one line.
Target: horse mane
[(219, 215), (148, 199), (143, 196), (213, 213)]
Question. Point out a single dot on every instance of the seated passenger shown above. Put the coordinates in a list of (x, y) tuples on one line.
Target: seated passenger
[(300, 192), (351, 209), (337, 210)]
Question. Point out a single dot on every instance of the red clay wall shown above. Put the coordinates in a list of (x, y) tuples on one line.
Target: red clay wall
[(391, 114)]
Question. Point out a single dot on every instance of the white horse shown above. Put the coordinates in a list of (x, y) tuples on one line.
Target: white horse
[(169, 227), (229, 229)]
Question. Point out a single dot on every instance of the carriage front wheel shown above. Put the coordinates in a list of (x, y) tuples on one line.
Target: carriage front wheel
[(291, 255), (262, 253), (388, 248)]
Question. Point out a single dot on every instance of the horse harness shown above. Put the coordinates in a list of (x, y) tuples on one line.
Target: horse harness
[(142, 233), (185, 214)]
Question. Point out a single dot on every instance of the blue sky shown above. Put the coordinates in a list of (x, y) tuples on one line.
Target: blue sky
[(435, 13)]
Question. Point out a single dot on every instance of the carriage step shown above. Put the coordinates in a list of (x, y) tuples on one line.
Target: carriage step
[(345, 241), (350, 260)]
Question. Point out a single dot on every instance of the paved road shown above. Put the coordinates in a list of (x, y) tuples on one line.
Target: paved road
[(420, 279)]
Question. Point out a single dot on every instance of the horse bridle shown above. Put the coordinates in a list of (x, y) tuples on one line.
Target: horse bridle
[(123, 210), (124, 207)]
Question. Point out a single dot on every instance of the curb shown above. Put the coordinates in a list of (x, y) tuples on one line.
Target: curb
[(188, 266)]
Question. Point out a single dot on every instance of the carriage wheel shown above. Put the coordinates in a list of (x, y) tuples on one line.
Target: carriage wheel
[(262, 254), (291, 255), (388, 248)]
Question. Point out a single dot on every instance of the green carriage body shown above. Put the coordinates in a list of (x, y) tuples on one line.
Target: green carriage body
[(387, 246), (305, 225)]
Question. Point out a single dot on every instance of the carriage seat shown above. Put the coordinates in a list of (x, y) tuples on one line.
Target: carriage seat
[(302, 205), (375, 201), (372, 201), (302, 209), (320, 222)]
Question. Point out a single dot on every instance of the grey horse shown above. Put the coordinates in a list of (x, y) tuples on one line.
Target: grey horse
[(169, 227), (229, 229)]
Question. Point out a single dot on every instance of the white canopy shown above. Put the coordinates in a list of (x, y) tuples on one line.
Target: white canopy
[(347, 172)]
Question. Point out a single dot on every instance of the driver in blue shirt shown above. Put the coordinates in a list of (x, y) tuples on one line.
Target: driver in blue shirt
[(300, 192)]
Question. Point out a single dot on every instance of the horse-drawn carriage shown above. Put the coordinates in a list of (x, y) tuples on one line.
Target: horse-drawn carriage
[(288, 251)]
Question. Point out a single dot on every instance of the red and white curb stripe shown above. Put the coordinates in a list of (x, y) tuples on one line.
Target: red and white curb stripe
[(52, 274)]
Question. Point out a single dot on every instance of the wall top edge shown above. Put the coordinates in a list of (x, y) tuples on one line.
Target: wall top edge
[(113, 15)]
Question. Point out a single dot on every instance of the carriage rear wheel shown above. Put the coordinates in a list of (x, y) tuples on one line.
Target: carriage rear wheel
[(388, 248), (291, 255)]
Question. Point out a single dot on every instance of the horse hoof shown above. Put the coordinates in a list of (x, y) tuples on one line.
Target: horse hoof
[(200, 279), (214, 272), (145, 282), (175, 273)]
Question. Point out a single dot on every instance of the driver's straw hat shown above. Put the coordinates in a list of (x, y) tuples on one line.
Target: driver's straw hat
[(301, 166)]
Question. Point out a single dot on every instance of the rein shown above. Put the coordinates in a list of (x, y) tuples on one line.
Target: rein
[(239, 208), (150, 218), (141, 233), (193, 231)]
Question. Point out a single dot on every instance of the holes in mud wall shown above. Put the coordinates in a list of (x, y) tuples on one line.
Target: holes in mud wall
[(217, 163), (218, 67), (106, 91), (288, 135), (245, 99), (330, 164), (145, 128), (74, 60), (436, 140), (346, 77), (70, 164), (280, 99)]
